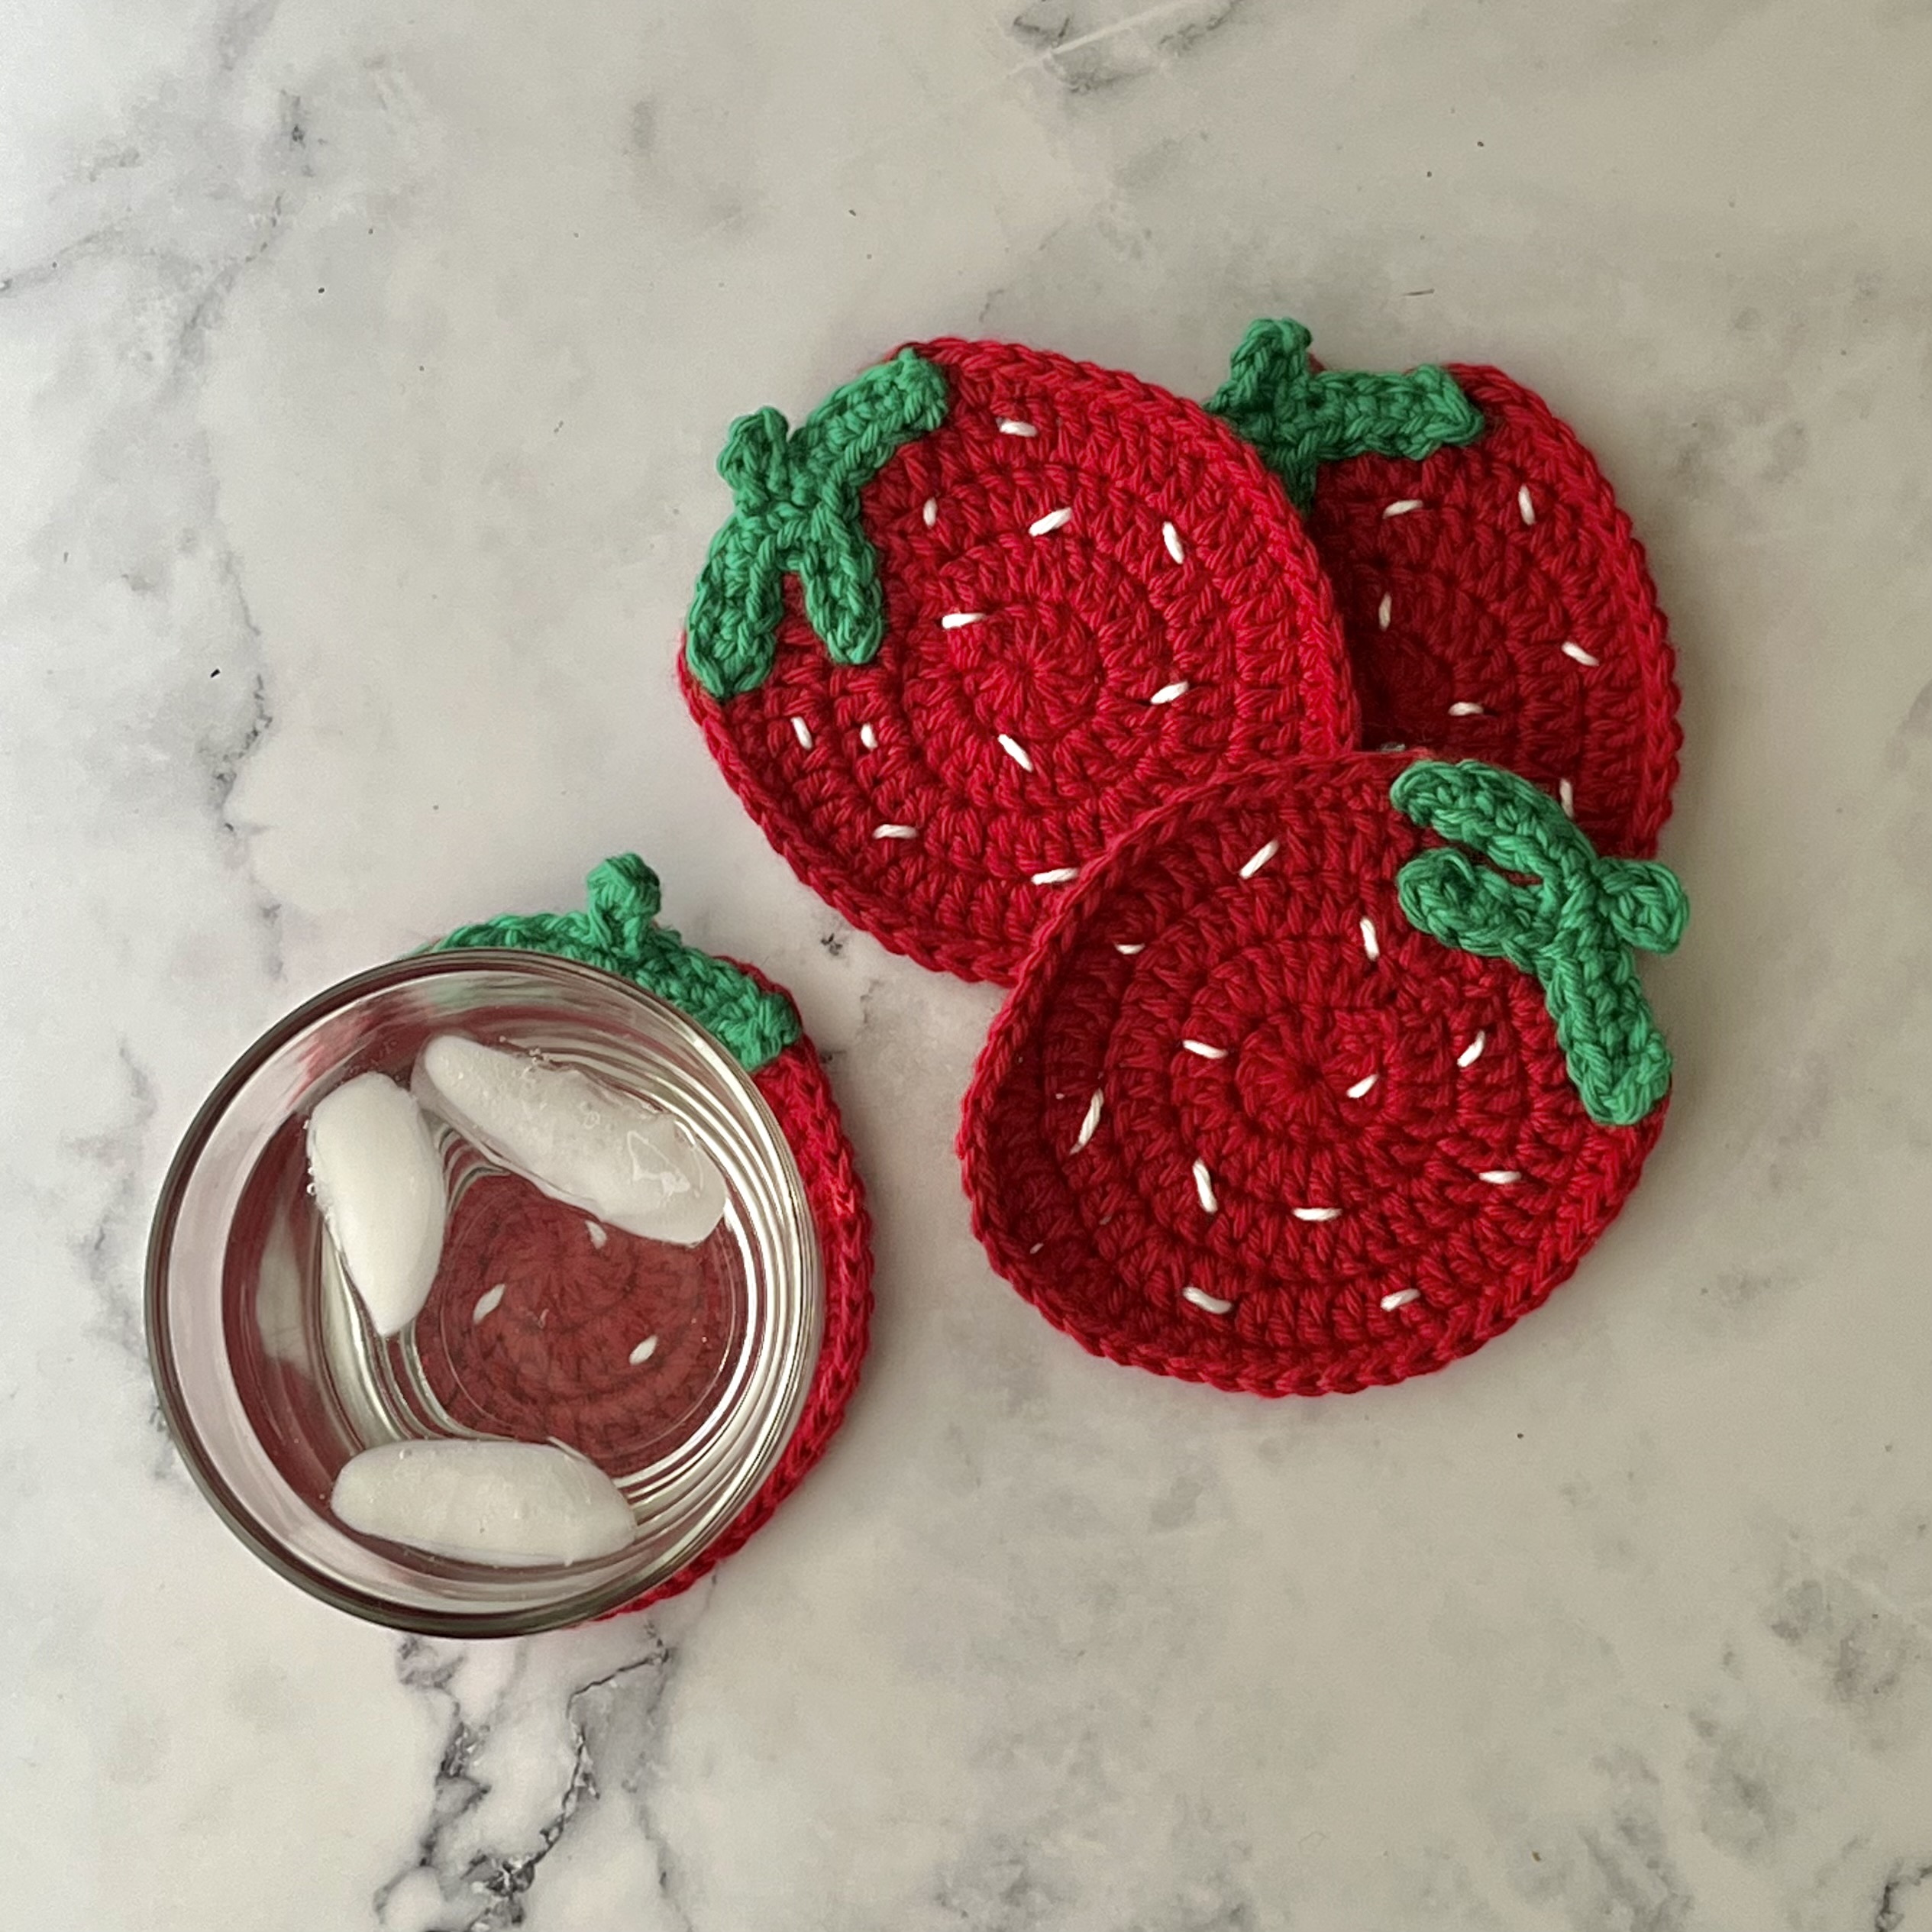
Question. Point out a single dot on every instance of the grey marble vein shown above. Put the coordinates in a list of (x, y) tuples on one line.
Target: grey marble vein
[(530, 1759)]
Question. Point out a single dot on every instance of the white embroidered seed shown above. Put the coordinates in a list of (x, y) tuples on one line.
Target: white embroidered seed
[(1012, 426), (1171, 537), (1362, 1086), (1261, 858), (1168, 692), (802, 732), (1402, 509), (1401, 1298), (1370, 945), (1121, 946), (1318, 1213), (1465, 709), (1384, 611), (1473, 1052), (488, 1304), (644, 1352), (1523, 504), (1500, 1177), (1202, 1050), (895, 831), (1057, 875), (1091, 1121), (1566, 797), (1044, 526), (1572, 649), (1036, 1247), (1213, 1303), (868, 737), (1016, 751), (598, 1236), (1204, 1186), (930, 514), (1391, 746), (956, 620)]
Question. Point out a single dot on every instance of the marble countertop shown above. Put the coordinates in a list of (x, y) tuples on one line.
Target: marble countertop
[(361, 370)]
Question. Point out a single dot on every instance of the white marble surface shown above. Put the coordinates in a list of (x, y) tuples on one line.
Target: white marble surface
[(360, 371)]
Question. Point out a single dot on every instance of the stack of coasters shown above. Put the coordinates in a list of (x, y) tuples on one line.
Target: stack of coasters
[(1327, 1058)]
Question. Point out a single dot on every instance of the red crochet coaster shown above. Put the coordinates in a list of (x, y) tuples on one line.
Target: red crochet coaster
[(981, 611), (756, 1023), (796, 1089), (1497, 603), (1267, 1110)]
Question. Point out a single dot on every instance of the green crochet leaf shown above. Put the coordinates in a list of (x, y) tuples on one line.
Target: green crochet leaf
[(619, 933), (1571, 921), (1300, 417), (797, 514)]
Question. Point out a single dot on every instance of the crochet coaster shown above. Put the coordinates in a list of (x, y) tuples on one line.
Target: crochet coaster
[(978, 612), (1497, 604), (757, 1023), (1295, 1097)]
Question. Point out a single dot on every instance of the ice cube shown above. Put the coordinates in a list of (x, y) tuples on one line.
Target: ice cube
[(379, 1186), (510, 1504), (580, 1142)]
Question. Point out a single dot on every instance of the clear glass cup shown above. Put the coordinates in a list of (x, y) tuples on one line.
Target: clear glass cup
[(271, 1376)]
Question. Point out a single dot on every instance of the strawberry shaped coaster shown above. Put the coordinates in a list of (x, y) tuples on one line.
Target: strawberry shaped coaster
[(1496, 601), (579, 1356), (983, 608), (1295, 1098)]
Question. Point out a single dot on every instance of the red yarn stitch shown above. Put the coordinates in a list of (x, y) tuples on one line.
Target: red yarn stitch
[(1481, 603), (1082, 625), (797, 1091), (1166, 942), (570, 1376), (553, 1356)]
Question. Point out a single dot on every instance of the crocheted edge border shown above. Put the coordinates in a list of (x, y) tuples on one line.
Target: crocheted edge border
[(1020, 1018)]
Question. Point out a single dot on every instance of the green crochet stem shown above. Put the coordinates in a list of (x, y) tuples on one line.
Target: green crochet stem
[(619, 932), (797, 514), (1572, 924), (1300, 417)]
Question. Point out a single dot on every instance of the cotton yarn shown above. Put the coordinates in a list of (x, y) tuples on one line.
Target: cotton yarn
[(1246, 1121), (1497, 603), (942, 690)]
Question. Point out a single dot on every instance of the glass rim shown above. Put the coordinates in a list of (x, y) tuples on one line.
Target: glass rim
[(582, 1606)]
